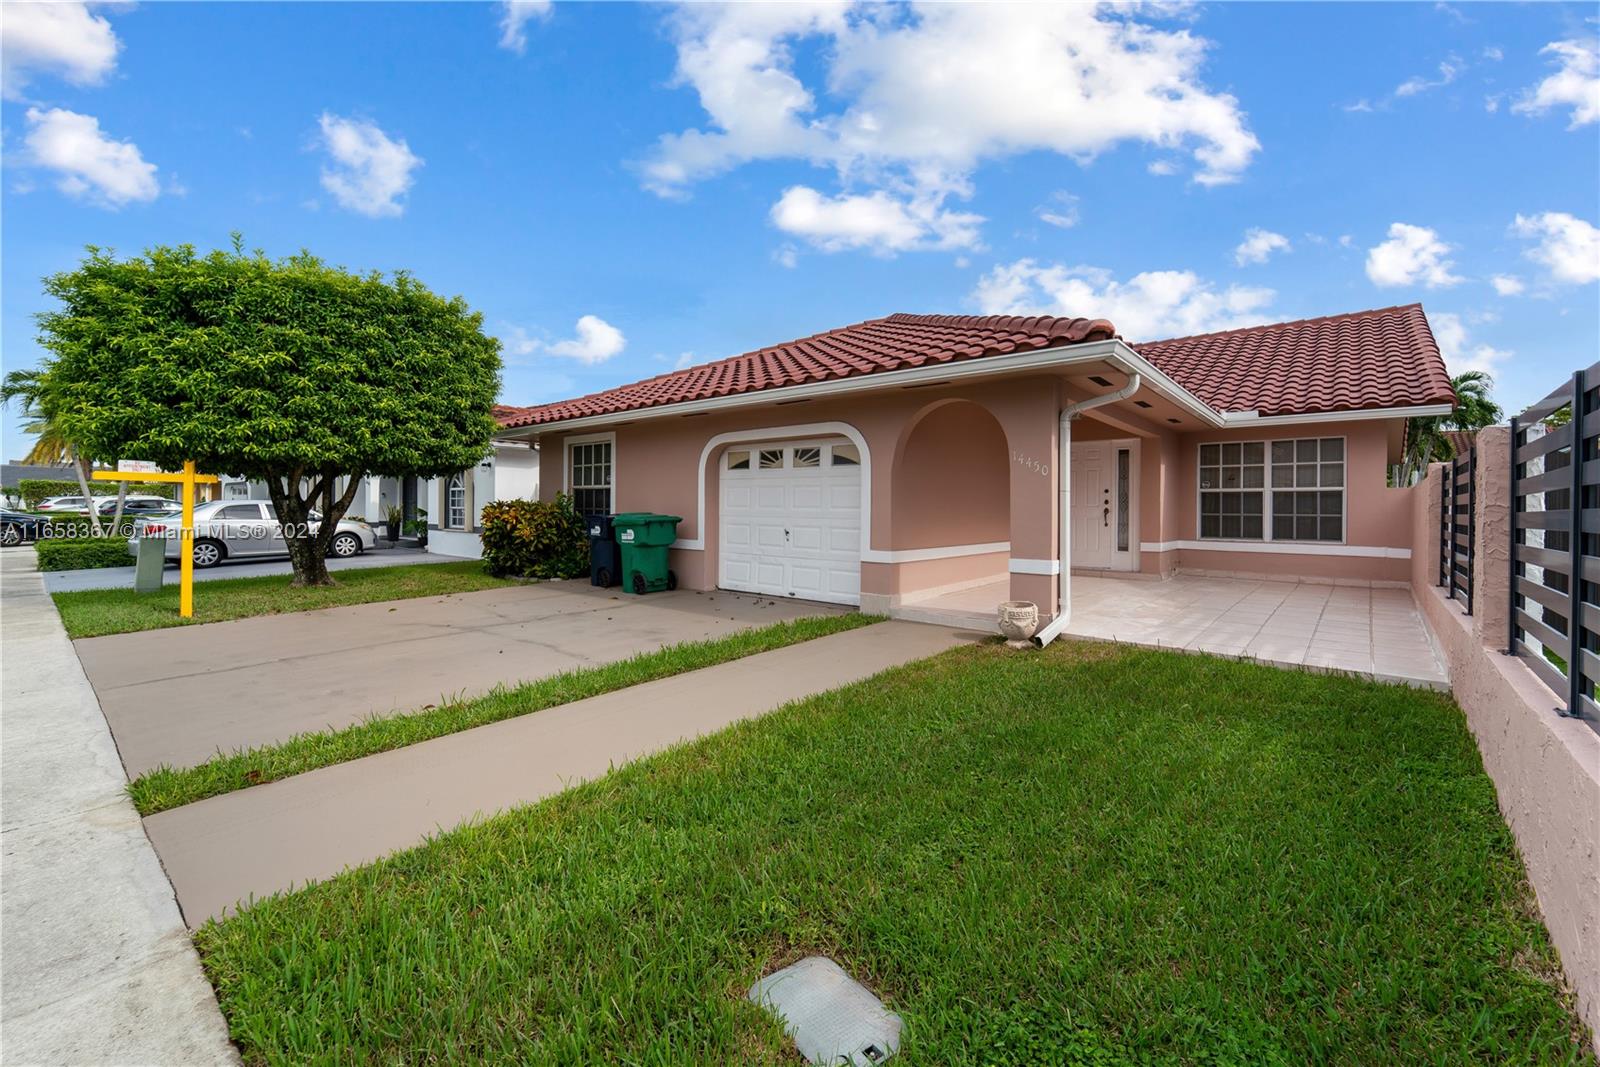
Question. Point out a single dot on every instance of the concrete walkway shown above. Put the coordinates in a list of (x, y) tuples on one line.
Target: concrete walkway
[(275, 837), (177, 696), (122, 577), (98, 968)]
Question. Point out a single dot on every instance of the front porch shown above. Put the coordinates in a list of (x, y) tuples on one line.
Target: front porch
[(1375, 632)]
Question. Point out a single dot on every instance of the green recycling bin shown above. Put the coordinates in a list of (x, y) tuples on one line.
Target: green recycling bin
[(644, 537)]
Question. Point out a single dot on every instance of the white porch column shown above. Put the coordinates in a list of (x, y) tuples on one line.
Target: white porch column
[(368, 498), (1064, 517)]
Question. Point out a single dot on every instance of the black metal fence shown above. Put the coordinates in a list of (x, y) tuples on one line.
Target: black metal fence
[(1458, 538), (1555, 542)]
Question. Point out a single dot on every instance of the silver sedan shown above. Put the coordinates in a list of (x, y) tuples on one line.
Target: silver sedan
[(241, 529)]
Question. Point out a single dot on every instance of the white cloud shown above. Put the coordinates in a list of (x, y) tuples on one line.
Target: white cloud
[(514, 18), (1456, 346), (1061, 211), (1361, 106), (1448, 70), (922, 101), (58, 38), (685, 359), (596, 342), (1258, 246), (1568, 246), (370, 171), (1346, 241), (90, 165), (1576, 84), (1493, 54), (1412, 255), (787, 256), (877, 221), (1150, 305), (1507, 284)]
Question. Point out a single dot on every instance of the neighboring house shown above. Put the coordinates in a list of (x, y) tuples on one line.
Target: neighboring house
[(902, 459), (453, 504)]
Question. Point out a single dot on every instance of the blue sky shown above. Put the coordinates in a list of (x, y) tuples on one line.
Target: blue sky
[(620, 189)]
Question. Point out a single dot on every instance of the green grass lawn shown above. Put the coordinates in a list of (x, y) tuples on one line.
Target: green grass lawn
[(166, 787), (1093, 854), (97, 612)]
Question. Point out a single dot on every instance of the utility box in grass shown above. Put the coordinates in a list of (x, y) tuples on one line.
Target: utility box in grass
[(149, 561), (644, 538)]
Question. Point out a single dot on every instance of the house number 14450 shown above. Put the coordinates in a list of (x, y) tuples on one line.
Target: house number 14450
[(1029, 463)]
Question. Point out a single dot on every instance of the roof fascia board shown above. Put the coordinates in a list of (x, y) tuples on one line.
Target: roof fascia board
[(1113, 351), (1251, 418)]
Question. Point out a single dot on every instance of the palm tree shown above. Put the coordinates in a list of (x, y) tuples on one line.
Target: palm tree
[(1425, 437), (30, 389)]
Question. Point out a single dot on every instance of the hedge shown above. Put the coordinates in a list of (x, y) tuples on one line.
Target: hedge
[(33, 490), (535, 539), (83, 553)]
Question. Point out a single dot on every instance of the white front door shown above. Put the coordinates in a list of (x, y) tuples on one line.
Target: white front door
[(790, 520), (1093, 506)]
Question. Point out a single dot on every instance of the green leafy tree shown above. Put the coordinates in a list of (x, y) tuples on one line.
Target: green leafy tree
[(1425, 437), (288, 371), (29, 390)]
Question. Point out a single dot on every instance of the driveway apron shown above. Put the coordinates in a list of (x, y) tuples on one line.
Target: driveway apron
[(178, 696)]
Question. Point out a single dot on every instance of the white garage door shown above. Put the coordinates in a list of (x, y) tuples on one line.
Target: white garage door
[(791, 520)]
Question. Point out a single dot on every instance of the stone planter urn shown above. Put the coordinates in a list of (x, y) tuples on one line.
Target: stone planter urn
[(1019, 620)]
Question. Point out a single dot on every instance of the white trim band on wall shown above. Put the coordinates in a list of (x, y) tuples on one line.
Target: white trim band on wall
[(919, 555), (1035, 566), (1279, 548)]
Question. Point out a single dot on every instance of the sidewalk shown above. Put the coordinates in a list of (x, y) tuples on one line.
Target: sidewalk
[(276, 837), (98, 968)]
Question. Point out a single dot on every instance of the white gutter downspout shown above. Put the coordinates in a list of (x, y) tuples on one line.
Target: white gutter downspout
[(1053, 629)]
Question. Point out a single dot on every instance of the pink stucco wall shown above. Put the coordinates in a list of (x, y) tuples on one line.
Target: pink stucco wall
[(658, 463), (951, 479), (1376, 516), (975, 464), (1545, 768)]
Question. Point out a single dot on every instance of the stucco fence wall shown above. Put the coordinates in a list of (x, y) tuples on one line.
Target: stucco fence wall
[(1545, 768)]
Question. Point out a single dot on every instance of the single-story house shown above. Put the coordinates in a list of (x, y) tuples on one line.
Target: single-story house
[(897, 460)]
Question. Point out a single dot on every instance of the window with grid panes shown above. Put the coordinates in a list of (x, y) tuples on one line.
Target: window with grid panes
[(590, 477), (1299, 484), (1233, 477), (1308, 489)]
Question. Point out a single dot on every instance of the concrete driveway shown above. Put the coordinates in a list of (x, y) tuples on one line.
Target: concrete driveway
[(177, 696)]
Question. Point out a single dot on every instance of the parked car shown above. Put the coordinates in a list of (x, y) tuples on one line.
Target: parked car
[(68, 505), (18, 527), (139, 505), (241, 529)]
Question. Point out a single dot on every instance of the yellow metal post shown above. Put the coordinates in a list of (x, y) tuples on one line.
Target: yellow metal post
[(186, 545), (189, 480)]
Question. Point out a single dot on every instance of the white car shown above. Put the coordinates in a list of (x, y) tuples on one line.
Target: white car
[(240, 529), (66, 505)]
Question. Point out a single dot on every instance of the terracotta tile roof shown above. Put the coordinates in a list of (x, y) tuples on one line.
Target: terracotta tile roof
[(1384, 358), (895, 343)]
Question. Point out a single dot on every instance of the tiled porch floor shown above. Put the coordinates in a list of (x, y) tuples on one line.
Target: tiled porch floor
[(1378, 633)]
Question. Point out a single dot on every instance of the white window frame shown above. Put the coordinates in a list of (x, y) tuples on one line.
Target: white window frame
[(459, 478), (1267, 492), (609, 439)]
